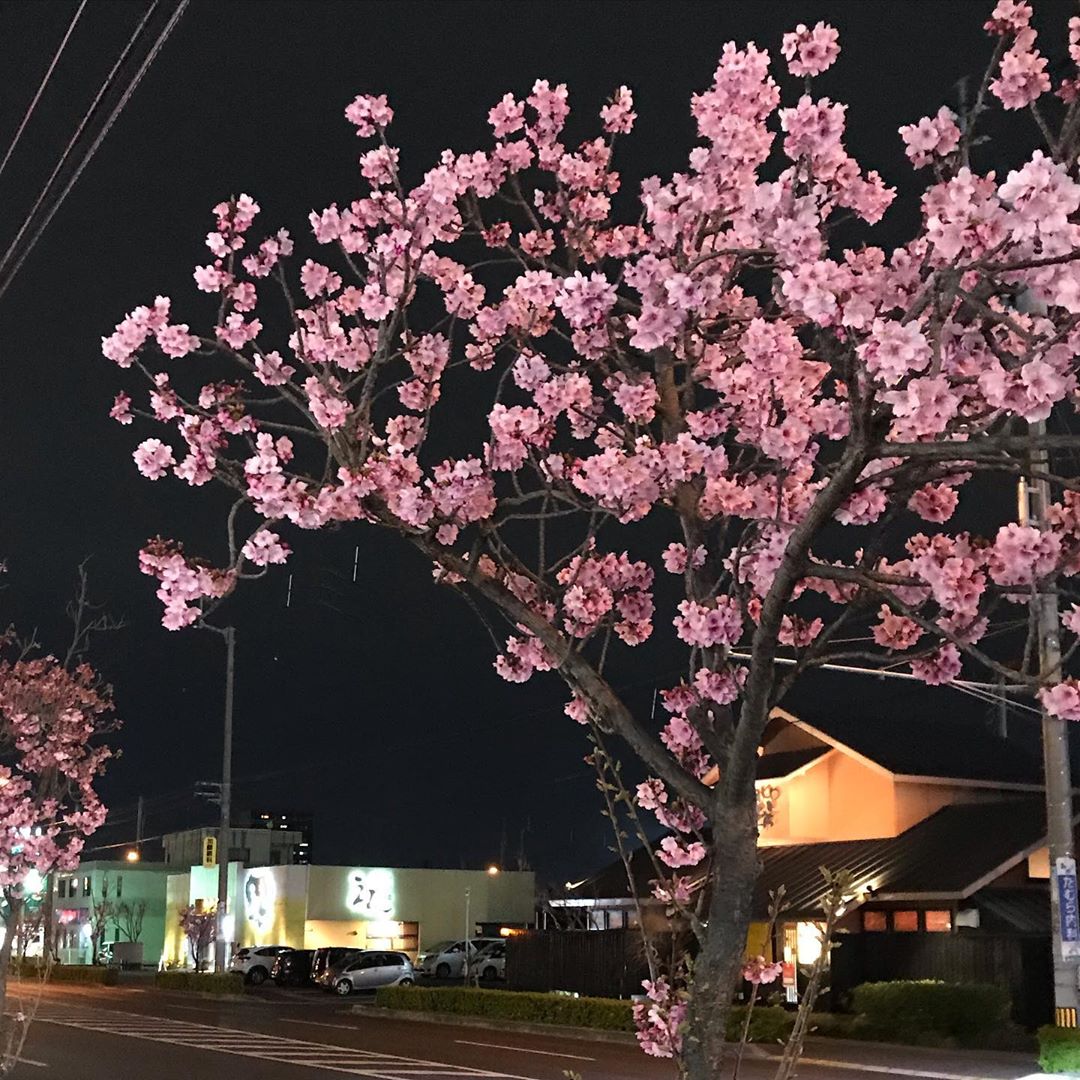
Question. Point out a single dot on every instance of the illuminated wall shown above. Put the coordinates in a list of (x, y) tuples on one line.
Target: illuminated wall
[(373, 907)]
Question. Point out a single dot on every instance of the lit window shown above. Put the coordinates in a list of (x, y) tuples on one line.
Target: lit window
[(874, 921), (905, 922), (86, 886), (938, 922)]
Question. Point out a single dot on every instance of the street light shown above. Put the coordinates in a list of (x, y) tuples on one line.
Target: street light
[(493, 870), (132, 856)]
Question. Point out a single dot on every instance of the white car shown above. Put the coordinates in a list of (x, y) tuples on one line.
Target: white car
[(255, 962), (490, 962), (447, 959)]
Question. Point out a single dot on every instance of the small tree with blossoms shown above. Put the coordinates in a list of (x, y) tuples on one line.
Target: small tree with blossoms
[(797, 413)]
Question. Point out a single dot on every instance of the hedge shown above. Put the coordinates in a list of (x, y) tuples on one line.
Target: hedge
[(607, 1014), (768, 1023), (1059, 1049), (70, 973), (918, 1011), (203, 982)]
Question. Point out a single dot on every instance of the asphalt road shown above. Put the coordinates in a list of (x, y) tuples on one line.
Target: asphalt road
[(142, 1034)]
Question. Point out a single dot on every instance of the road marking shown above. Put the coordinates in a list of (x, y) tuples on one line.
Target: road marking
[(317, 1023), (31, 1061), (523, 1050), (892, 1069), (263, 1047)]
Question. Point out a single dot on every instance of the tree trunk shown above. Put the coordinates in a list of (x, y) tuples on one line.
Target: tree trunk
[(732, 874), (11, 928)]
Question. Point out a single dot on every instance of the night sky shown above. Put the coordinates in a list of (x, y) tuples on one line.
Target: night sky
[(371, 703)]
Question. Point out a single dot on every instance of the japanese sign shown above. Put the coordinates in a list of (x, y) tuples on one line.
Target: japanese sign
[(1068, 906)]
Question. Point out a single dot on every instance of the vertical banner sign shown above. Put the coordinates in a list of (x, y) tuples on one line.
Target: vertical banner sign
[(1068, 907)]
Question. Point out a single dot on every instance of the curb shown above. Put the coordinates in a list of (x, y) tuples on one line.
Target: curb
[(626, 1038)]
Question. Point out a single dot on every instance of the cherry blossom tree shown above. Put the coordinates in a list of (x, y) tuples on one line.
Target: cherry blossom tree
[(715, 376), (200, 928)]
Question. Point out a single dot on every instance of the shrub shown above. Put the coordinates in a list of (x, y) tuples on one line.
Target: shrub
[(1059, 1049), (768, 1023), (203, 982), (918, 1011), (69, 973), (606, 1014)]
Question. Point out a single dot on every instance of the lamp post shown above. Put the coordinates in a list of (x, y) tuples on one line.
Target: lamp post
[(221, 948), (468, 932)]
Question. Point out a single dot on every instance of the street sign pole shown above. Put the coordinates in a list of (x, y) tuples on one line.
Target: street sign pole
[(1065, 914)]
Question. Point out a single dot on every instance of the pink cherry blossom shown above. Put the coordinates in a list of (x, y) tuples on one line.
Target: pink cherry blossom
[(154, 458), (810, 52), (1062, 700)]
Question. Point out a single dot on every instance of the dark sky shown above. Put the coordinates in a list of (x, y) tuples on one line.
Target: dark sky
[(374, 703)]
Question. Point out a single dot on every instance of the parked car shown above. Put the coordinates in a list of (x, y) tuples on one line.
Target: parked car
[(255, 963), (447, 959), (490, 961), (373, 969), (293, 967), (326, 961)]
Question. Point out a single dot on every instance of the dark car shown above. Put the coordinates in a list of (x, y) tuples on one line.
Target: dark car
[(292, 968), (326, 959)]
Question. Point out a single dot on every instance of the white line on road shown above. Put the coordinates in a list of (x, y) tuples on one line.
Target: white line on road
[(316, 1023), (31, 1061), (859, 1067), (523, 1050)]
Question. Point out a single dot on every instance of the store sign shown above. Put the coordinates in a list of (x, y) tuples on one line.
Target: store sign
[(259, 893), (371, 893), (1068, 906)]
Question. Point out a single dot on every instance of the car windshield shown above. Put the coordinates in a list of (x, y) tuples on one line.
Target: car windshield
[(442, 946)]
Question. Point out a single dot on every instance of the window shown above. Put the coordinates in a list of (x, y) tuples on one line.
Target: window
[(905, 922), (394, 959), (874, 921), (275, 857), (86, 886), (119, 886), (938, 922), (61, 888)]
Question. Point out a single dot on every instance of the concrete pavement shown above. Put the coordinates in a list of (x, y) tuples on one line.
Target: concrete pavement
[(142, 1034)]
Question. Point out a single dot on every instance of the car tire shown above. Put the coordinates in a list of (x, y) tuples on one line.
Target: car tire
[(405, 982), (490, 973), (257, 976), (343, 987), (442, 971)]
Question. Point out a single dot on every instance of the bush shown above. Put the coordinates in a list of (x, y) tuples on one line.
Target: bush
[(203, 982), (69, 973), (1059, 1049), (768, 1023), (606, 1014), (921, 1011)]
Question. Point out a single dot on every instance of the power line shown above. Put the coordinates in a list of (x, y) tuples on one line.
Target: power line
[(41, 88), (9, 274)]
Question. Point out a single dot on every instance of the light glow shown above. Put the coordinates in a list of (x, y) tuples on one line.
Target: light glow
[(493, 870), (371, 893), (132, 856), (259, 895)]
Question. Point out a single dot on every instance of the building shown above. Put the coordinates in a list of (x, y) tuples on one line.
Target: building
[(941, 823), (253, 846), (290, 821), (364, 907), (135, 895)]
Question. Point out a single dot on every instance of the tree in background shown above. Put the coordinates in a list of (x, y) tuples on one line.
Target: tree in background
[(199, 925), (712, 400), (102, 912), (128, 919)]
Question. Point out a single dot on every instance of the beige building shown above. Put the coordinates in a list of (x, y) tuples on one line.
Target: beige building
[(364, 907)]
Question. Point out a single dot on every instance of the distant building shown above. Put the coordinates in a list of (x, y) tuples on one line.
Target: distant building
[(358, 906), (135, 895), (260, 846), (279, 820)]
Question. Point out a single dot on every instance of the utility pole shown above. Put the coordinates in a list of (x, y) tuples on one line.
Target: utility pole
[(221, 951), (1034, 498), (138, 827)]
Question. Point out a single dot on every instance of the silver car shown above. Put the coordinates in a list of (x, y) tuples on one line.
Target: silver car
[(370, 970), (447, 959)]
